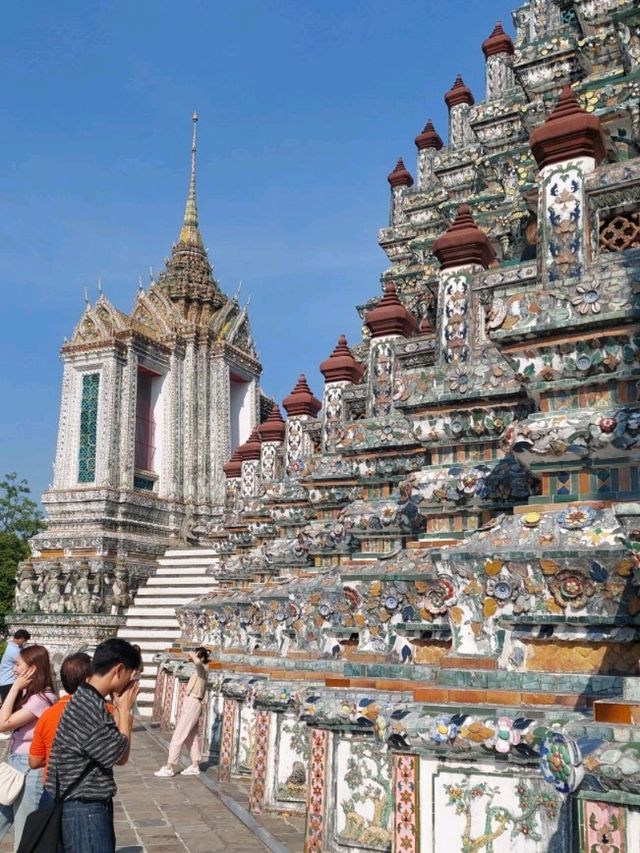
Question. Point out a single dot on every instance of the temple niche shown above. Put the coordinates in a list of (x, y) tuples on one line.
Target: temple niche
[(422, 586)]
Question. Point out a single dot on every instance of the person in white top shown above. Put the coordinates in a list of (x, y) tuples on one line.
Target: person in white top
[(186, 731)]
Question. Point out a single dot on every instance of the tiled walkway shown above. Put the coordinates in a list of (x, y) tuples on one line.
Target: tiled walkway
[(182, 815)]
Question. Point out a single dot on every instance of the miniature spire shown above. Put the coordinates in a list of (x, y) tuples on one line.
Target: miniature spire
[(463, 243), (190, 233), (301, 400), (459, 93), (498, 42), (400, 176), (274, 428), (390, 317), (341, 366), (429, 138), (569, 132)]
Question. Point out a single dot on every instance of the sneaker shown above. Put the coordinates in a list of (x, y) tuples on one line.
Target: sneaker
[(165, 772), (191, 771)]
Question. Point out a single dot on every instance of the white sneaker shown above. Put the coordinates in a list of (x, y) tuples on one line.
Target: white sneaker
[(165, 772), (191, 771)]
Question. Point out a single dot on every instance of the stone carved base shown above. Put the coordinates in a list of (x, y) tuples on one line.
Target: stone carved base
[(63, 633)]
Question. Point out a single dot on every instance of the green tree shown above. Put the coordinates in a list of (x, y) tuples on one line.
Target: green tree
[(20, 519)]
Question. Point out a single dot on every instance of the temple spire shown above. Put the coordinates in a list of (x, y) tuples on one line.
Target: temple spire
[(190, 233)]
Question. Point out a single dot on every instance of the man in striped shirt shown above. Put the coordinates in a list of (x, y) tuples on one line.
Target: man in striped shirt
[(89, 736)]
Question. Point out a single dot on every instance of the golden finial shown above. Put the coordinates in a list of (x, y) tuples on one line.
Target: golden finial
[(190, 233)]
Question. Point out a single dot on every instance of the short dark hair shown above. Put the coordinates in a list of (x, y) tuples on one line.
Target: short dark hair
[(22, 634), (202, 653), (114, 651), (75, 670)]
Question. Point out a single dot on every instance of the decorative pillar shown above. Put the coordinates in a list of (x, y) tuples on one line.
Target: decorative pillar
[(459, 100), (272, 435), (339, 370), (386, 322), (462, 250), (406, 803), (301, 406), (220, 438), (250, 453), (567, 147), (233, 473), (399, 180), (128, 391), (317, 792), (260, 759), (428, 144), (498, 50), (227, 739)]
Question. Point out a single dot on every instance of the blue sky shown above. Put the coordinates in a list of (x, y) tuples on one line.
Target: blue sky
[(304, 105)]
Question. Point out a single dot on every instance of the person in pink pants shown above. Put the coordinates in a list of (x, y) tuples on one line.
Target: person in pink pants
[(186, 730)]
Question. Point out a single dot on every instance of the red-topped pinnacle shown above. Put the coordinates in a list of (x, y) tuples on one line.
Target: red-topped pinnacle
[(459, 93), (274, 428), (429, 138), (498, 42), (463, 243), (250, 450), (390, 317), (400, 177), (233, 468), (569, 132), (301, 400), (341, 366)]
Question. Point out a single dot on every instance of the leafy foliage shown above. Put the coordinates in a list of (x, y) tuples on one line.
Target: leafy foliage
[(20, 519)]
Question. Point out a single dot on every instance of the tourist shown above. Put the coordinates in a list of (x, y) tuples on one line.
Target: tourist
[(30, 695), (8, 661), (75, 670), (186, 730), (91, 741)]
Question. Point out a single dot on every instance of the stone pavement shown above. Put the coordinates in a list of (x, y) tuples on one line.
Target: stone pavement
[(182, 815)]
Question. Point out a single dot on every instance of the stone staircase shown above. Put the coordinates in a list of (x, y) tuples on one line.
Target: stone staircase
[(151, 620)]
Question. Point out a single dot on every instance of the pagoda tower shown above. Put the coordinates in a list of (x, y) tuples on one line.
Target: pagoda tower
[(153, 404)]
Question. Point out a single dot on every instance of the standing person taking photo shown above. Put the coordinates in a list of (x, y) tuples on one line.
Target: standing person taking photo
[(186, 730), (30, 695), (89, 743), (9, 658)]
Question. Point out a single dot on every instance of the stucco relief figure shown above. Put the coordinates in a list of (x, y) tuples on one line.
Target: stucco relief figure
[(26, 595), (80, 598), (120, 591), (52, 595)]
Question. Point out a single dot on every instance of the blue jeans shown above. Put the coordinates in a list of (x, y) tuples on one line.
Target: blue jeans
[(16, 814), (87, 825)]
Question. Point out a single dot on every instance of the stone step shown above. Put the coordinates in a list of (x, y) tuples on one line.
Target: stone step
[(154, 643), (194, 571), (144, 609), (184, 553), (152, 622), (171, 600), (177, 581)]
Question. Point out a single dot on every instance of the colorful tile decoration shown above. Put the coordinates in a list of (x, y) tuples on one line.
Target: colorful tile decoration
[(603, 828), (316, 812), (88, 428), (167, 702), (227, 740), (406, 838), (258, 776), (158, 696)]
